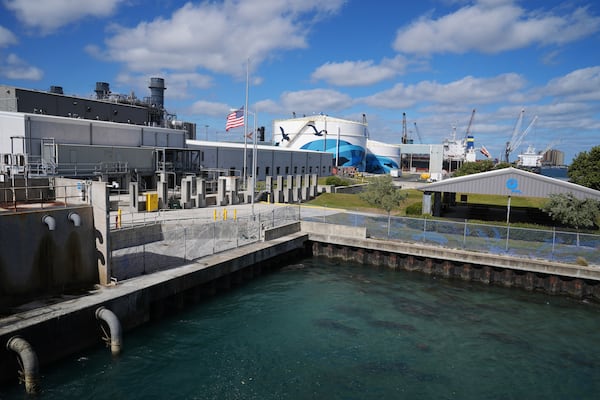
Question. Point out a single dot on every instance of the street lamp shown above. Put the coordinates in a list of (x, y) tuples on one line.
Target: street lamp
[(206, 132)]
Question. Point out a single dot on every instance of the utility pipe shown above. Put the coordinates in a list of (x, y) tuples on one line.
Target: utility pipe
[(75, 218), (28, 361), (114, 335), (49, 221)]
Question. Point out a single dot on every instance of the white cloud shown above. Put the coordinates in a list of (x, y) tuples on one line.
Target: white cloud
[(16, 68), (579, 85), (503, 87), (7, 38), (306, 102), (217, 36), (493, 27), (359, 73), (49, 15), (212, 109)]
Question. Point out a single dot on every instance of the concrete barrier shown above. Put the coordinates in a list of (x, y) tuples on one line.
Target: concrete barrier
[(333, 231), (282, 230)]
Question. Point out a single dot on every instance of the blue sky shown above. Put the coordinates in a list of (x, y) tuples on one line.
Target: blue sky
[(435, 60)]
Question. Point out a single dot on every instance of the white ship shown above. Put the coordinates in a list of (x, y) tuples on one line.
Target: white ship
[(530, 159)]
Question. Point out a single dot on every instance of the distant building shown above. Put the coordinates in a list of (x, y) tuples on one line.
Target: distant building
[(553, 158)]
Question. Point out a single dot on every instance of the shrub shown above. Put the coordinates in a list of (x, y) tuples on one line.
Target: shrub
[(337, 181), (414, 209)]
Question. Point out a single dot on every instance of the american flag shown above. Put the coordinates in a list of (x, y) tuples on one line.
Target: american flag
[(235, 119)]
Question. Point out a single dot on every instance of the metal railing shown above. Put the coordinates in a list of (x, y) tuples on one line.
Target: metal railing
[(554, 245), (21, 198)]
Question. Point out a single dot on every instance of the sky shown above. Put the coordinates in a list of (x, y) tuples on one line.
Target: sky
[(434, 60)]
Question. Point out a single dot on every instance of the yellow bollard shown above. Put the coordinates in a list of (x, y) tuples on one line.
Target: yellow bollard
[(224, 214), (215, 214), (235, 214), (119, 215)]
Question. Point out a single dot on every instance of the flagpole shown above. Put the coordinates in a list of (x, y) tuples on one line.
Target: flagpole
[(246, 125)]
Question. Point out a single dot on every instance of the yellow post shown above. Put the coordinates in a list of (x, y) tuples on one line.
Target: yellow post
[(119, 215), (235, 214), (215, 214), (224, 214)]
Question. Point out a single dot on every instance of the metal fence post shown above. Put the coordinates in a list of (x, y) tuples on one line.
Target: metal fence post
[(507, 236), (553, 238), (465, 235)]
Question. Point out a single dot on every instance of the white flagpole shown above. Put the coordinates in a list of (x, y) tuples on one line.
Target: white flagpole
[(246, 125)]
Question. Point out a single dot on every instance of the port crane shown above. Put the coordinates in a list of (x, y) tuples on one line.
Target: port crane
[(470, 124), (517, 136), (418, 134), (404, 131)]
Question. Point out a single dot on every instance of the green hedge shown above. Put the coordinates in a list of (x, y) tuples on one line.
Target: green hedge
[(414, 209)]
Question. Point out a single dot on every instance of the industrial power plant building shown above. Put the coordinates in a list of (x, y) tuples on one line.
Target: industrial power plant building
[(122, 140)]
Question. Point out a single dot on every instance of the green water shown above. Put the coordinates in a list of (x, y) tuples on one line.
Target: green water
[(318, 330)]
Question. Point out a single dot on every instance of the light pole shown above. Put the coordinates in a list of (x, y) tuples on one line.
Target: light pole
[(206, 132)]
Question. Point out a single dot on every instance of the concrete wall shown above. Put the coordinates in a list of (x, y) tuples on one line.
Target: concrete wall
[(326, 230), (71, 327), (36, 261), (530, 274)]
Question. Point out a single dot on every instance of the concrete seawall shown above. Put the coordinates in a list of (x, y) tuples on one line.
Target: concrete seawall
[(58, 330), (530, 274)]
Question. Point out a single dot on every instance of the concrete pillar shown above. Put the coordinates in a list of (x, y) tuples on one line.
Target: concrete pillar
[(162, 188), (279, 182), (306, 181), (186, 192), (221, 196), (278, 196), (298, 181), (426, 204), (200, 192), (250, 188), (133, 197), (268, 183), (100, 201)]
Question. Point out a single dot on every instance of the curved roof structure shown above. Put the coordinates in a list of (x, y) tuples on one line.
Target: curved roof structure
[(510, 182)]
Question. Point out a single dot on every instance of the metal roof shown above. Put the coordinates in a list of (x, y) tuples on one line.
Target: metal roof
[(510, 182)]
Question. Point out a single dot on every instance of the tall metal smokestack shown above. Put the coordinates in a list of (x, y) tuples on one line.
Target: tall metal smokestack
[(157, 92)]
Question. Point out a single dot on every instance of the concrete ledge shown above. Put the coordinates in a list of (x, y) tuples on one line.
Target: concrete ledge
[(282, 230), (332, 230), (460, 256), (135, 236)]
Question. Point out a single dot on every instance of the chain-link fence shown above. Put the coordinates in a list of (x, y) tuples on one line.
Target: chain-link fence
[(150, 247), (506, 240)]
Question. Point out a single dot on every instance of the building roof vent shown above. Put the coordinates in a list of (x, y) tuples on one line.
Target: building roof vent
[(56, 89), (102, 90)]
